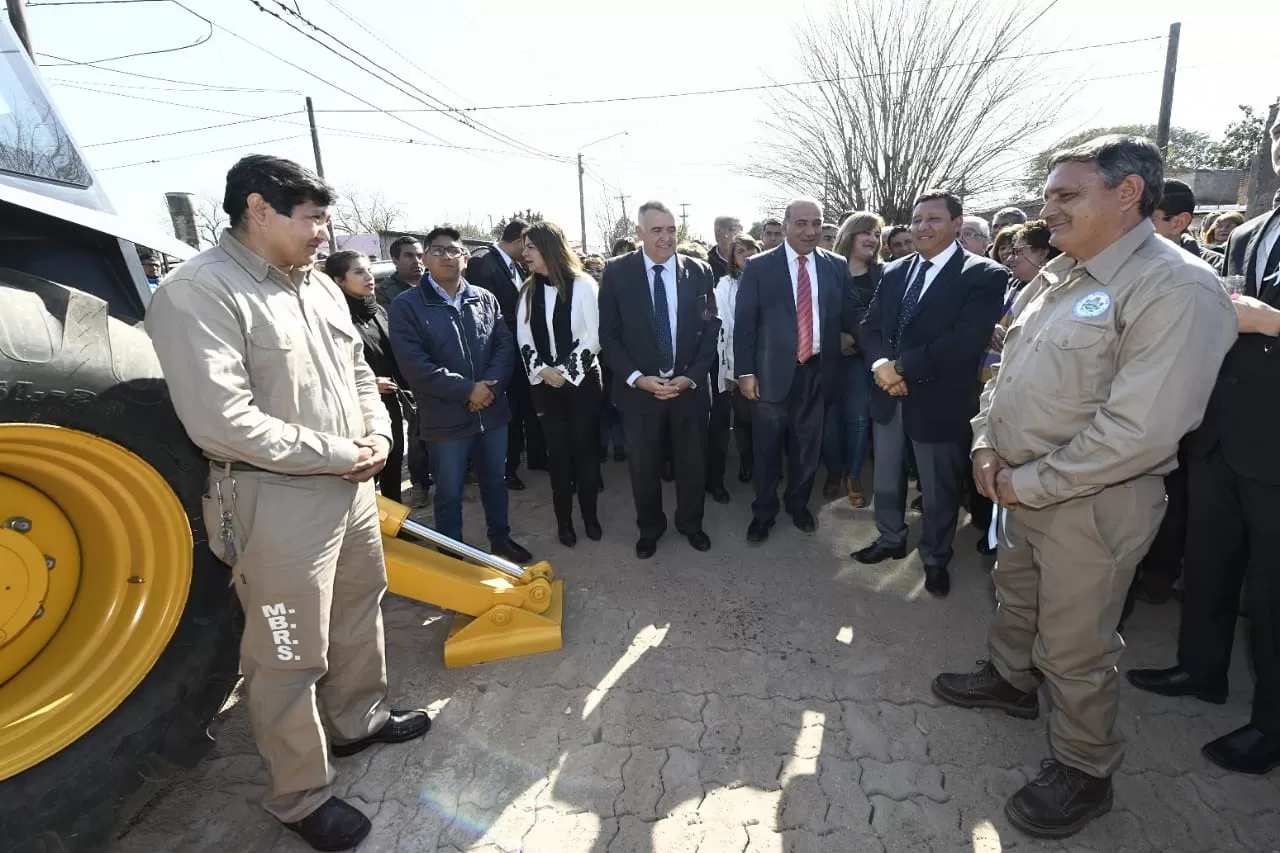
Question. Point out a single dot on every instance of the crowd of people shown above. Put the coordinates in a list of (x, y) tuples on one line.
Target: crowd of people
[(1092, 386)]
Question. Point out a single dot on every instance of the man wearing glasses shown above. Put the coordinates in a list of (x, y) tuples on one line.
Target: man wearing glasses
[(457, 353)]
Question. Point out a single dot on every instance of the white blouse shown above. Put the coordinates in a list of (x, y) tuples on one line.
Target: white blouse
[(726, 303), (584, 321)]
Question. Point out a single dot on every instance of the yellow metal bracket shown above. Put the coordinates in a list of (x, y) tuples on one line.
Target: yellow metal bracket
[(503, 610)]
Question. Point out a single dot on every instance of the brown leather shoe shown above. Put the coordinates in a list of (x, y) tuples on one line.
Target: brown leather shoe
[(986, 688), (853, 488), (831, 486), (1058, 802)]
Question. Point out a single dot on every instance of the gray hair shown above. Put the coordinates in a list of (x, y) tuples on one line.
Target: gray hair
[(1116, 157), (651, 205), (723, 223), (1019, 215), (786, 214), (981, 224)]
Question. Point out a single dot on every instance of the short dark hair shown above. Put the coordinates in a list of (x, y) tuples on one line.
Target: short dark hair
[(283, 183), (953, 203), (514, 230), (1036, 234), (399, 243), (443, 231), (1116, 157), (340, 263), (621, 246), (771, 221), (1177, 198)]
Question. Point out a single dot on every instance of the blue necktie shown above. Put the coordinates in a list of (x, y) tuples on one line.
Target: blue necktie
[(910, 300), (662, 323)]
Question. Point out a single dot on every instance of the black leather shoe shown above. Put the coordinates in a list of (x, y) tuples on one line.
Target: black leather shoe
[(1058, 802), (831, 485), (401, 726), (509, 550), (619, 454), (1246, 750), (699, 540), (668, 472), (937, 581), (568, 538), (758, 531), (592, 528), (336, 825), (1175, 681), (744, 473), (877, 553), (646, 548), (514, 483), (917, 505), (719, 494), (804, 520), (985, 688)]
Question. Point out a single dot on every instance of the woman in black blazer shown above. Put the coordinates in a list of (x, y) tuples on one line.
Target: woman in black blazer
[(558, 333), (352, 273)]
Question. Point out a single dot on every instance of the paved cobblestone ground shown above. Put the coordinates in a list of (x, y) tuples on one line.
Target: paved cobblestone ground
[(748, 699)]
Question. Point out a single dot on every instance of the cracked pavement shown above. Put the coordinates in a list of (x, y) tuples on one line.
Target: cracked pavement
[(748, 699)]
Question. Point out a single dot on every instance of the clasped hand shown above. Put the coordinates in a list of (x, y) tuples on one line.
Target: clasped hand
[(664, 389), (371, 459), (890, 380), (994, 478), (481, 395)]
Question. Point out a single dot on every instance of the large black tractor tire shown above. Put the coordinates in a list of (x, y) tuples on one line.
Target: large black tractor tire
[(104, 378)]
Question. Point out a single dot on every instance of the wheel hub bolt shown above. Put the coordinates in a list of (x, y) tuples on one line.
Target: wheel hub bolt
[(18, 523), (49, 562)]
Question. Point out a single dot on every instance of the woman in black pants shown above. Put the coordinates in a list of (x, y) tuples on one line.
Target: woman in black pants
[(558, 332), (352, 273)]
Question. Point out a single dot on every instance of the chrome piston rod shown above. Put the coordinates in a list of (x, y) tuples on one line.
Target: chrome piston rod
[(421, 531)]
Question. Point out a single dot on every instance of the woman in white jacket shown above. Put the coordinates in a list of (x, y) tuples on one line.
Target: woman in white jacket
[(727, 400), (558, 332)]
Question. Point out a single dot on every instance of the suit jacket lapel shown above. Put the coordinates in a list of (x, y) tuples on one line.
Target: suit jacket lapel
[(945, 275), (1251, 253), (784, 265)]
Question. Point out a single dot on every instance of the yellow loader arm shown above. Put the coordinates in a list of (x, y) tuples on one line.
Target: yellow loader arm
[(503, 610)]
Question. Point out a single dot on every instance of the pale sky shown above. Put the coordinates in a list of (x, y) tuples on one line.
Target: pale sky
[(494, 52)]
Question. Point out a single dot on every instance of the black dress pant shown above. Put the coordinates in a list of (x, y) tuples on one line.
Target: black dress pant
[(796, 421), (1233, 538), (524, 434), (569, 418), (727, 408), (647, 425), (389, 478), (1166, 553)]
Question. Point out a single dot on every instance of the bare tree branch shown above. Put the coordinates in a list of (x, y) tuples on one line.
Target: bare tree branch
[(366, 213), (913, 96), (210, 219)]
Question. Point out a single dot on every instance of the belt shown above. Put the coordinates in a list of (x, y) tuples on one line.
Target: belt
[(236, 466), (813, 359)]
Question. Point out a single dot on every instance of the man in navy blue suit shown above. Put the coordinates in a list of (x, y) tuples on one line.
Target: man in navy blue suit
[(924, 335), (794, 302)]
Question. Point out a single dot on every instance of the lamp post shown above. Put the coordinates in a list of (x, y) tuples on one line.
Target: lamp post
[(582, 200)]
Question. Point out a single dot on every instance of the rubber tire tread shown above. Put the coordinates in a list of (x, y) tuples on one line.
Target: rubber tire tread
[(78, 367)]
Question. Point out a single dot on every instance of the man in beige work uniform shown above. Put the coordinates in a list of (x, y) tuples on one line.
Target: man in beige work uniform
[(268, 377), (1110, 360)]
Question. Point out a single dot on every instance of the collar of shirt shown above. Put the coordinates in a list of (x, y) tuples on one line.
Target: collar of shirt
[(1104, 265), (455, 301), (256, 265), (506, 259), (792, 254), (937, 262), (668, 270)]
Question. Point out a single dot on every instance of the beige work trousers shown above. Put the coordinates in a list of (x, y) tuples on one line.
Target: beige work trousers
[(1061, 576), (310, 575)]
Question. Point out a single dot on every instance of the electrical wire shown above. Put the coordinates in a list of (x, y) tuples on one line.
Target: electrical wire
[(188, 130), (210, 86), (201, 153), (202, 40), (199, 87), (764, 86)]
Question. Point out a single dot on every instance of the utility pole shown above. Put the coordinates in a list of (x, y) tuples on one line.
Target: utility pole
[(684, 218), (315, 146), (582, 205), (1166, 96), (18, 18)]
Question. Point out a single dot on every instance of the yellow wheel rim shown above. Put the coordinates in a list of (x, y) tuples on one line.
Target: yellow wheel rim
[(99, 541)]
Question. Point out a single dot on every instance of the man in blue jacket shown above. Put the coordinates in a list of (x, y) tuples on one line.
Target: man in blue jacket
[(457, 354)]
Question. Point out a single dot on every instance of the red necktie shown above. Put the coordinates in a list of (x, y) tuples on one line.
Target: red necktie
[(804, 312)]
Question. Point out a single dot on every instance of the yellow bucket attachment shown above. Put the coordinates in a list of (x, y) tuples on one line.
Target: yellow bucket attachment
[(503, 610)]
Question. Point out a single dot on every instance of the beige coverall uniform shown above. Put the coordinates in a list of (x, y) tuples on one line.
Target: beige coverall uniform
[(1106, 366), (267, 372)]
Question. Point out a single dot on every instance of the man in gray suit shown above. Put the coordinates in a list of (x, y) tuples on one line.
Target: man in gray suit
[(794, 302)]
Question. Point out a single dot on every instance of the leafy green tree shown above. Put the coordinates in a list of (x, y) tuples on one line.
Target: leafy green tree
[(529, 215), (1188, 149), (1241, 140)]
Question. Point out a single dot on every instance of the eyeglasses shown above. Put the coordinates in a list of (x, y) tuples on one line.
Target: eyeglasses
[(446, 251)]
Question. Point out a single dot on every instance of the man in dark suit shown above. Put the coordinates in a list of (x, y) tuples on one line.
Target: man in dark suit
[(924, 336), (793, 302), (499, 272), (1233, 489), (658, 329)]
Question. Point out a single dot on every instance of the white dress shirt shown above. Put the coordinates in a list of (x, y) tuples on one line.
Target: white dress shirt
[(793, 266), (1265, 245), (937, 262), (668, 287), (511, 265)]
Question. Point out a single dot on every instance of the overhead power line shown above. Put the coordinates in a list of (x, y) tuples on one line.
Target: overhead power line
[(208, 35), (210, 86), (201, 153), (761, 87)]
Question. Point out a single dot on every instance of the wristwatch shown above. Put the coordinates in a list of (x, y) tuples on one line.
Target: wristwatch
[(897, 365)]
